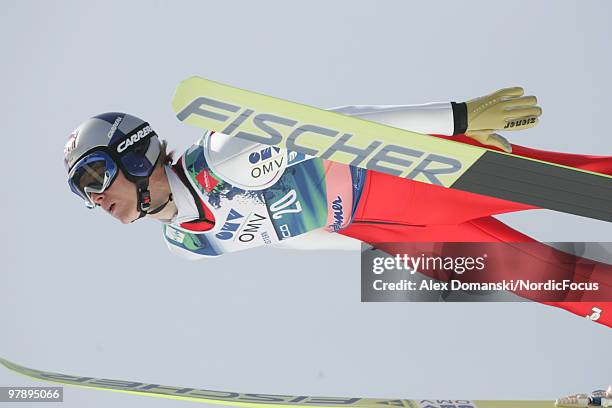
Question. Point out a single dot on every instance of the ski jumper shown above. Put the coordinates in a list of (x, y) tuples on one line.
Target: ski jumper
[(249, 195)]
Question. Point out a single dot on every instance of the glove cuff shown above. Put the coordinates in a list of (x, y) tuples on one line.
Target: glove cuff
[(460, 117)]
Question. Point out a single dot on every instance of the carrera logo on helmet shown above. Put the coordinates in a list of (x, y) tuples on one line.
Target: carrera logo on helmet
[(113, 128), (135, 138)]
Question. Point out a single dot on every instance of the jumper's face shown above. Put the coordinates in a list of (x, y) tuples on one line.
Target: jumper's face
[(119, 200)]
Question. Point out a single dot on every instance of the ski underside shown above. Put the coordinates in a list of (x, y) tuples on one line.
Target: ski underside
[(254, 400), (350, 140)]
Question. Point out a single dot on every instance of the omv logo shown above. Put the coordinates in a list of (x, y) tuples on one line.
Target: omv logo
[(235, 225), (230, 226), (266, 162), (263, 154)]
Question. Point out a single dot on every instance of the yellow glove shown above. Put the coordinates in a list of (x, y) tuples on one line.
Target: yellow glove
[(506, 109)]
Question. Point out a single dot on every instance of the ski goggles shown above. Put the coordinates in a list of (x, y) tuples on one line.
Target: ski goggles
[(94, 173)]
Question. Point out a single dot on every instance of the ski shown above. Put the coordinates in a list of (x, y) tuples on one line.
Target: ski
[(256, 400), (328, 135)]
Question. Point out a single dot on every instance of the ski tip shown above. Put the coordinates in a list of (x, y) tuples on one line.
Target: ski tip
[(9, 365), (189, 80), (5, 362), (187, 90)]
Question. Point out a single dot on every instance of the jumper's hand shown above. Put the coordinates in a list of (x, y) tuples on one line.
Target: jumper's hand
[(506, 109)]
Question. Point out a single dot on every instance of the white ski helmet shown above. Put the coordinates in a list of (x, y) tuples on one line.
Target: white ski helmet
[(105, 144)]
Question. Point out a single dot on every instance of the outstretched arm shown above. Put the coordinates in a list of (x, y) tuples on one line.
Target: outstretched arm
[(478, 118), (430, 118)]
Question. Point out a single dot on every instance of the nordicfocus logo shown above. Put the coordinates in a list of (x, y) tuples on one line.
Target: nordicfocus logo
[(113, 128), (135, 138), (520, 122), (264, 162), (272, 129), (338, 213), (232, 227)]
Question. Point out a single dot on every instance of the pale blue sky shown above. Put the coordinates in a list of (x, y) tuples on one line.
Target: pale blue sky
[(86, 295)]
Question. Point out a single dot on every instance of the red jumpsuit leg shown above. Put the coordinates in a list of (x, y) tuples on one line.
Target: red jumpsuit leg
[(392, 209)]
